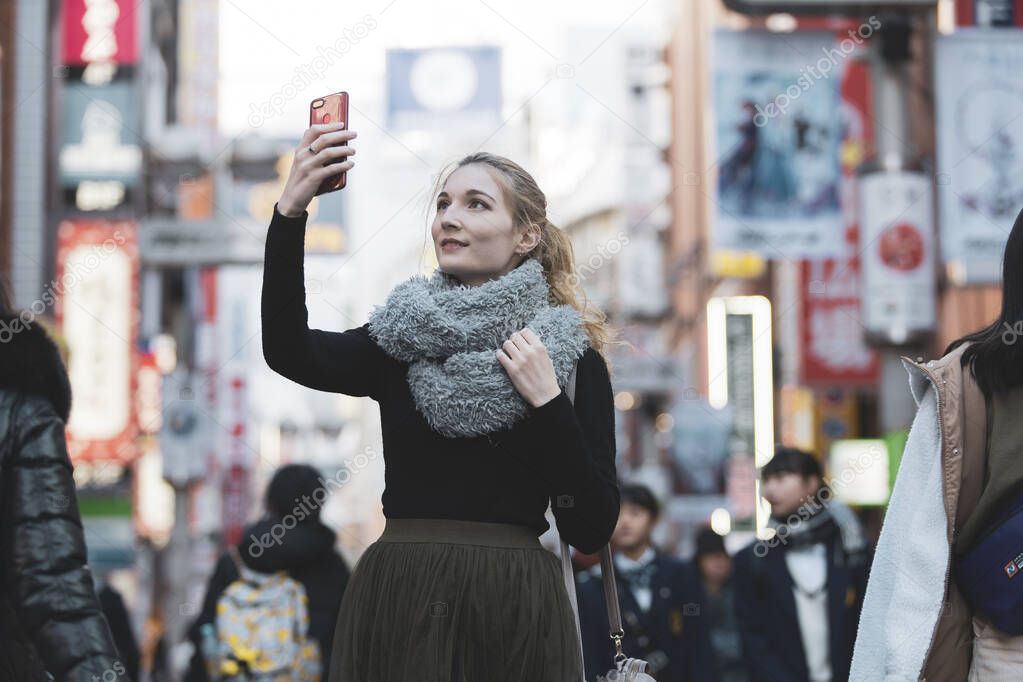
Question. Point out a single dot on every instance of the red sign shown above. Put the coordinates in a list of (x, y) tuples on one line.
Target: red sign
[(834, 348), (236, 493), (99, 31), (96, 296)]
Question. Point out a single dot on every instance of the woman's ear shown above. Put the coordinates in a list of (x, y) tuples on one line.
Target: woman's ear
[(529, 240)]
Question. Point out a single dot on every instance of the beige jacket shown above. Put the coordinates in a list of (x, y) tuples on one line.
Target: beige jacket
[(915, 624)]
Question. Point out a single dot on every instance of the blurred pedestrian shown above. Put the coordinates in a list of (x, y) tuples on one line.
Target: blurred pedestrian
[(119, 619), (798, 594), (960, 480), (289, 538), (715, 568), (50, 616), (468, 367), (665, 613)]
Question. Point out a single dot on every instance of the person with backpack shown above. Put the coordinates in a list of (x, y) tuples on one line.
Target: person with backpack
[(798, 593), (51, 621), (664, 609), (944, 601), (469, 367), (273, 599)]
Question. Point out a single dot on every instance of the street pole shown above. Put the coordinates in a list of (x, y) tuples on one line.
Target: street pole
[(889, 57)]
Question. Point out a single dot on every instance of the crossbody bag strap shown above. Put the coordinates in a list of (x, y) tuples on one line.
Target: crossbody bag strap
[(607, 570)]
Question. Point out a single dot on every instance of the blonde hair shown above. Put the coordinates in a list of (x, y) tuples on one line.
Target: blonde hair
[(528, 206)]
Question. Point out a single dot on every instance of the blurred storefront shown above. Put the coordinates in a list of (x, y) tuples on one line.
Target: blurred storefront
[(770, 201)]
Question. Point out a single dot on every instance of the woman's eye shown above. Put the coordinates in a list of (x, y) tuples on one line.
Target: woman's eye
[(443, 204)]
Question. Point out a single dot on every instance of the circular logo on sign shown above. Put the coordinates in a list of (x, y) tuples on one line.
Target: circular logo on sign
[(901, 247)]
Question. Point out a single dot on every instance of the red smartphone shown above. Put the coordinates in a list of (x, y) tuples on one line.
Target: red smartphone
[(330, 109)]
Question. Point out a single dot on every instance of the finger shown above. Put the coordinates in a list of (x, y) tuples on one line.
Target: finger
[(530, 336), (315, 130), (513, 351), (335, 152), (334, 137), (520, 342), (333, 169)]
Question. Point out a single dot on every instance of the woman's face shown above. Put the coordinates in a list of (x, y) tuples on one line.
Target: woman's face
[(474, 234)]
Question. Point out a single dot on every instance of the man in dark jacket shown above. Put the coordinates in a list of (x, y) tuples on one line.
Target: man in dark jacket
[(289, 538), (50, 617), (664, 609), (798, 595)]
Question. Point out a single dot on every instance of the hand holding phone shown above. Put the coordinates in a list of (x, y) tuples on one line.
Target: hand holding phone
[(321, 160), (329, 109)]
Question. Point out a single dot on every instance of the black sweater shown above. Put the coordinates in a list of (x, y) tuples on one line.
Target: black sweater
[(559, 453)]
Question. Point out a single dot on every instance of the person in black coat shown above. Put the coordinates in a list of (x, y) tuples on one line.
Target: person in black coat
[(798, 595), (665, 613), (290, 538), (50, 616), (119, 620), (715, 568)]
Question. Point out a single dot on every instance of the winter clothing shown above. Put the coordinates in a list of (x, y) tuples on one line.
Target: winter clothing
[(768, 609), (50, 617), (1003, 475), (306, 551), (673, 634), (450, 333), (940, 481), (438, 599), (560, 454), (120, 627), (724, 635), (817, 523)]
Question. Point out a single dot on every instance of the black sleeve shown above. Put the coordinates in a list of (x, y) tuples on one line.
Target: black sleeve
[(48, 577), (755, 621), (699, 656), (120, 627), (575, 455), (346, 362)]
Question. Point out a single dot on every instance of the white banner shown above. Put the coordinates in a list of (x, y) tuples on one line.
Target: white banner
[(778, 130), (979, 99), (897, 251)]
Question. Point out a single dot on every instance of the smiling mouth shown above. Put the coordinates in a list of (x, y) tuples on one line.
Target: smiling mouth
[(452, 242)]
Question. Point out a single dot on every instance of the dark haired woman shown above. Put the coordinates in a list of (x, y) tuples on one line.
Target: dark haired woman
[(50, 617), (961, 470), (468, 367)]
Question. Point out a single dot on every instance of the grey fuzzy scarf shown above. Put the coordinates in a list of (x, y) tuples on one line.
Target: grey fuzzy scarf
[(450, 333)]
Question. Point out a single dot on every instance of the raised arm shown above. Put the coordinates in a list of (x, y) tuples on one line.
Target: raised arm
[(348, 362), (576, 456)]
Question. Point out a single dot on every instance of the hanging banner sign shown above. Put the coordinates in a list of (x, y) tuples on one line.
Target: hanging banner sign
[(96, 290)]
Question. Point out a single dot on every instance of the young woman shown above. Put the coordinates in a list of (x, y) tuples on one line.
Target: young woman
[(468, 367), (962, 468), (51, 622)]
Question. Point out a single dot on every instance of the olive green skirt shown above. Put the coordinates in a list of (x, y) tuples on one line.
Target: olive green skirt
[(455, 601)]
